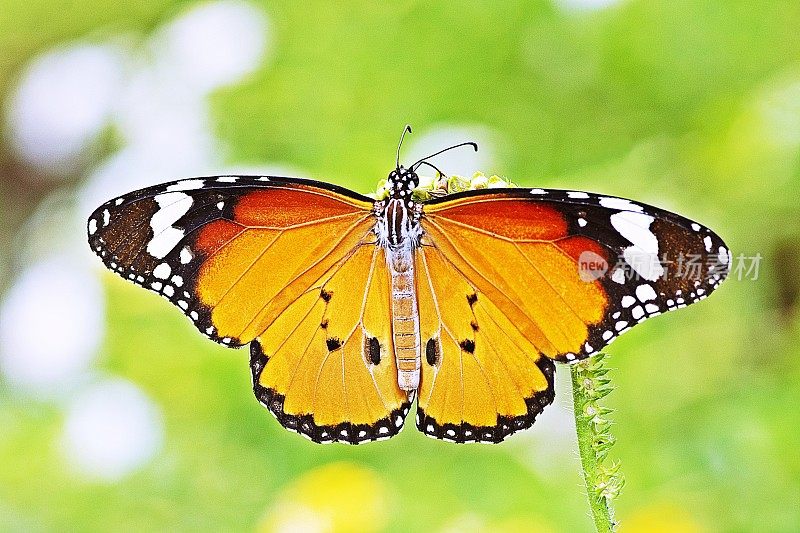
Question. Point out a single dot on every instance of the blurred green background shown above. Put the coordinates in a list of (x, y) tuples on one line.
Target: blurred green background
[(115, 414)]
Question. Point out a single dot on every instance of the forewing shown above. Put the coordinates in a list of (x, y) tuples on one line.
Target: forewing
[(573, 270), (232, 252)]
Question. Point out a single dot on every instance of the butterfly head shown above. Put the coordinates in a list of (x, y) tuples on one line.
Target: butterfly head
[(401, 183)]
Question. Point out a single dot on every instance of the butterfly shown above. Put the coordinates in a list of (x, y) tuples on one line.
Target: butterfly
[(354, 308)]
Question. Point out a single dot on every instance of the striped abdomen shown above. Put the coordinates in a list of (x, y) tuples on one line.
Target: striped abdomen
[(405, 317)]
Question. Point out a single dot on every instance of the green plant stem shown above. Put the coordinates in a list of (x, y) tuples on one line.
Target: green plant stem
[(593, 474)]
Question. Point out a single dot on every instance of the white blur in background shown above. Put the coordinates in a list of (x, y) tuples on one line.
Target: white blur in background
[(462, 161), (549, 449), (111, 429), (163, 117), (585, 5), (62, 102), (214, 45), (53, 321), (778, 108)]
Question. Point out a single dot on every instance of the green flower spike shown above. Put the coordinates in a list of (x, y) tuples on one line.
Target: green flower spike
[(603, 482)]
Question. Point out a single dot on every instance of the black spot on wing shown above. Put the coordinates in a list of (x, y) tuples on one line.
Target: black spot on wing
[(468, 345), (432, 352), (374, 351), (333, 343)]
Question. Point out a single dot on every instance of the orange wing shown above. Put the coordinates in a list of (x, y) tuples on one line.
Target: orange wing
[(517, 277), (288, 264)]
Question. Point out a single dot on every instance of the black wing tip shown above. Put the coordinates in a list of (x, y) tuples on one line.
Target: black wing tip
[(180, 296), (346, 432)]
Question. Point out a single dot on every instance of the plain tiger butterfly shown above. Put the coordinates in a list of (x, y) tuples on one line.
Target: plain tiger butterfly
[(354, 307)]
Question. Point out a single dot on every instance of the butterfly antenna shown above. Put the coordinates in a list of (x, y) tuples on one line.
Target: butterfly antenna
[(434, 168), (407, 129), (469, 143)]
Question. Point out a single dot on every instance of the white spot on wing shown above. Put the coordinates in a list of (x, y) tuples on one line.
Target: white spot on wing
[(106, 217), (582, 222), (645, 292), (186, 185), (227, 179), (707, 241), (162, 271), (186, 255), (620, 203), (577, 194), (618, 276), (92, 226), (643, 255), (538, 191), (723, 255), (165, 241), (628, 301), (172, 206)]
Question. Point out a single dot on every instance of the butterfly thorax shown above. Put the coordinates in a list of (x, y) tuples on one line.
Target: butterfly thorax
[(398, 231), (398, 215)]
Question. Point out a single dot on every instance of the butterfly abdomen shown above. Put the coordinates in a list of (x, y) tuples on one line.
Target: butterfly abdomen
[(405, 317)]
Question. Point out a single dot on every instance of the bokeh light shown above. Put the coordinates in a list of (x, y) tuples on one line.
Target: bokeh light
[(462, 161), (111, 429), (214, 44), (61, 104), (338, 497), (585, 5), (52, 326)]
